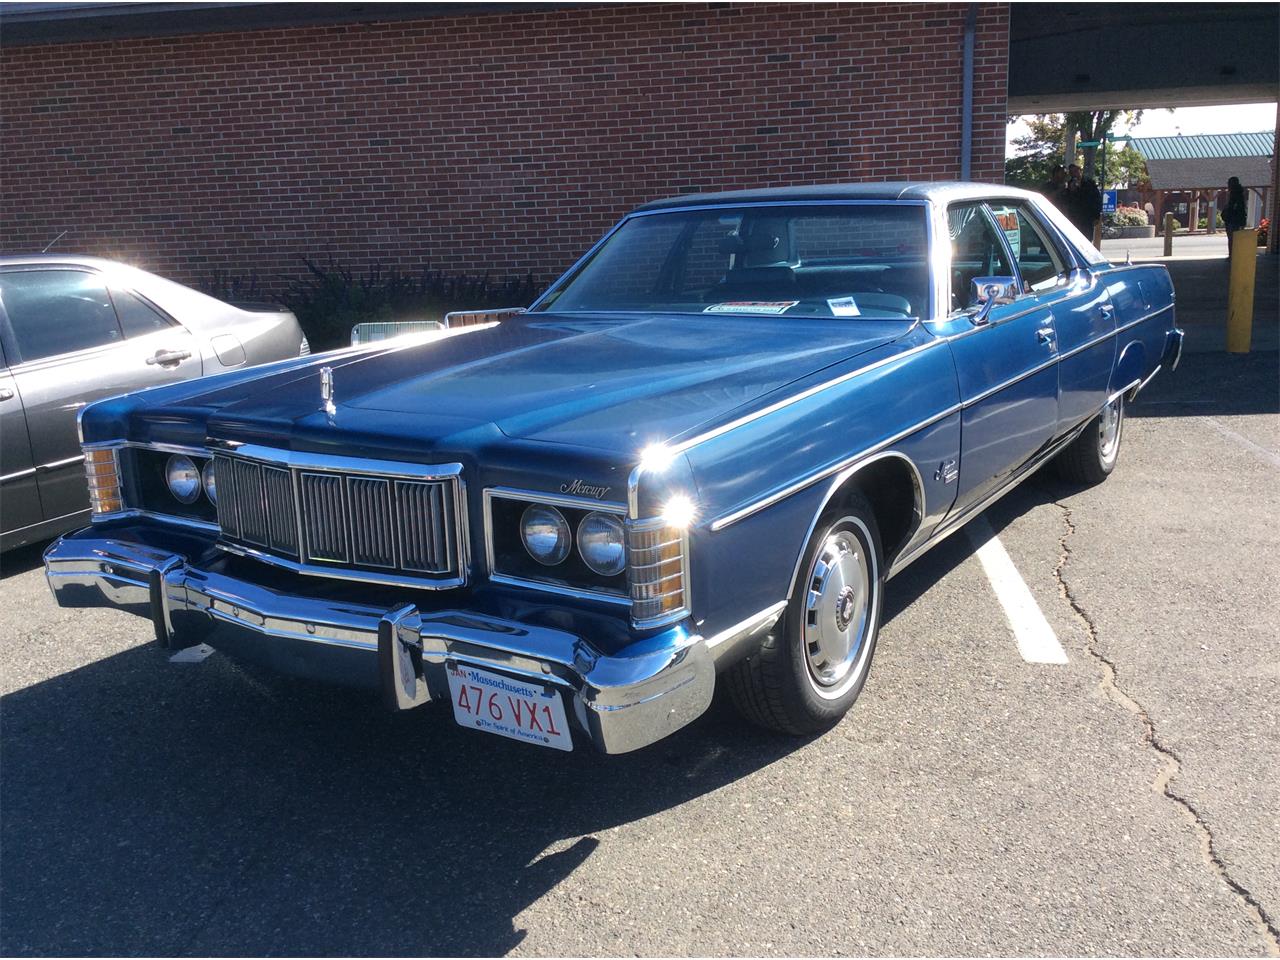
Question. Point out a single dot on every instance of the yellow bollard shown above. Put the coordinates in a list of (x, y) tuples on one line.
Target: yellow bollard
[(1244, 265), (1168, 234)]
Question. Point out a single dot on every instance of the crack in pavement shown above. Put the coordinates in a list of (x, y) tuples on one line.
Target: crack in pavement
[(1111, 686)]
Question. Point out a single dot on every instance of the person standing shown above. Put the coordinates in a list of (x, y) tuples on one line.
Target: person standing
[(1055, 188), (1084, 201), (1236, 213)]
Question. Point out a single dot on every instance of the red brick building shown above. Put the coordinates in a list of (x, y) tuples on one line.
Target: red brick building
[(501, 140)]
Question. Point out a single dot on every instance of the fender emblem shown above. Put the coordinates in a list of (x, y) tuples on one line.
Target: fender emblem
[(326, 390), (947, 471)]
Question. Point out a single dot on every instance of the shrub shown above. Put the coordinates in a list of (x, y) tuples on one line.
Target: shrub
[(332, 299), (1264, 225), (1127, 217)]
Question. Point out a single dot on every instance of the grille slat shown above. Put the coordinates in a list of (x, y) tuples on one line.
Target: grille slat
[(371, 536), (323, 522), (280, 510), (345, 519)]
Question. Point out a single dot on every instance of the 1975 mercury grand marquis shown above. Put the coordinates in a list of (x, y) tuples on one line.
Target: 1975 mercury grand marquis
[(701, 453)]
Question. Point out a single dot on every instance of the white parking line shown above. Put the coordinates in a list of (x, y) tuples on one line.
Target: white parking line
[(1036, 640), (1244, 441)]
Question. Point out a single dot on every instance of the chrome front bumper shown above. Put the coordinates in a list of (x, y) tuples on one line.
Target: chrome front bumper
[(620, 702)]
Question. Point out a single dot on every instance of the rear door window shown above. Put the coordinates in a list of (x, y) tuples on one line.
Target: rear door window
[(137, 317), (52, 312)]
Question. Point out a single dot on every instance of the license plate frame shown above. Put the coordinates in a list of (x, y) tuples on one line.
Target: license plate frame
[(523, 710)]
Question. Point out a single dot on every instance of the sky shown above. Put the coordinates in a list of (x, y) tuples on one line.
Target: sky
[(1238, 118)]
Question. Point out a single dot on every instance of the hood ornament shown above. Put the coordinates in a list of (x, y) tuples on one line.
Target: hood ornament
[(326, 390)]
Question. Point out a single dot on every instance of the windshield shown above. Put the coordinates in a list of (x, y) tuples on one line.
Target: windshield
[(846, 261)]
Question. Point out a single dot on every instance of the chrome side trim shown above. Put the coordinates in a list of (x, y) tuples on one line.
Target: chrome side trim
[(752, 624), (860, 459), (685, 445), (952, 524), (57, 464), (1143, 383), (1153, 314), (992, 391), (1135, 386), (18, 474), (917, 492)]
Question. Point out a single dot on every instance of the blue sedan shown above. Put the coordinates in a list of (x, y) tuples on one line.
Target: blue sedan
[(696, 459)]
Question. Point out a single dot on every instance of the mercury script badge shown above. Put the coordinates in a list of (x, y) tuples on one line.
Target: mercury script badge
[(326, 390), (581, 489)]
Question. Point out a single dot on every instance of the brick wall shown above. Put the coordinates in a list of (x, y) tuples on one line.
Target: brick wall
[(502, 142)]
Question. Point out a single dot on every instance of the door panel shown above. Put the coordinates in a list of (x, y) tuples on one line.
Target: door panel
[(19, 497), (1084, 319), (55, 390), (1009, 385), (1006, 366), (69, 311)]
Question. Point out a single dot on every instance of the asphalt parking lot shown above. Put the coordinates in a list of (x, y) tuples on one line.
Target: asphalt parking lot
[(1125, 802)]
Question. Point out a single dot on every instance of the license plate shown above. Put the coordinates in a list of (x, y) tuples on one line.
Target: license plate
[(511, 708)]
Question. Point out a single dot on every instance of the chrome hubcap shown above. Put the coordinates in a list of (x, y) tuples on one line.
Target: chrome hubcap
[(837, 611), (1109, 430)]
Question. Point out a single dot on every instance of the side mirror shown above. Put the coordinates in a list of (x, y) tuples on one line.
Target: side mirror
[(987, 292)]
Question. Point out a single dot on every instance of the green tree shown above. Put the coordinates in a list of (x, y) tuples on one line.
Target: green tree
[(1045, 144), (1036, 152)]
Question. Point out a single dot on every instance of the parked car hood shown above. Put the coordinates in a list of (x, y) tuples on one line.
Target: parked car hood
[(614, 383)]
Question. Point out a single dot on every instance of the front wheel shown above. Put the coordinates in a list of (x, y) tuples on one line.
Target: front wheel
[(1091, 457), (810, 670)]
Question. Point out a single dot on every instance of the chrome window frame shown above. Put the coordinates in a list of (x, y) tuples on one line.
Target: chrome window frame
[(556, 500)]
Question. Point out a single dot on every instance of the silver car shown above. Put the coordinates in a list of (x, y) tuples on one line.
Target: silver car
[(77, 329)]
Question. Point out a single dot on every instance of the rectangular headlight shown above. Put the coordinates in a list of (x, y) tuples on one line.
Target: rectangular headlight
[(102, 470)]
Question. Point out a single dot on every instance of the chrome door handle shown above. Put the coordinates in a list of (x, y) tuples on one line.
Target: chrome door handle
[(1108, 311), (165, 357), (1045, 334), (6, 393)]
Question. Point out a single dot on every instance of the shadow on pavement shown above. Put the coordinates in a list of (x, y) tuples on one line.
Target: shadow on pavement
[(1219, 384), (164, 810), (21, 560), (151, 808)]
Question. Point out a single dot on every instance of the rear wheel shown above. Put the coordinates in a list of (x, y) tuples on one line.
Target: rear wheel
[(810, 670), (1091, 457)]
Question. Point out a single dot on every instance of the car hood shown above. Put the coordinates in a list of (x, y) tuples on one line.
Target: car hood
[(606, 382)]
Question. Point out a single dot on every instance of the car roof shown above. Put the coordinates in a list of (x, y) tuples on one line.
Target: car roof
[(48, 259), (940, 192)]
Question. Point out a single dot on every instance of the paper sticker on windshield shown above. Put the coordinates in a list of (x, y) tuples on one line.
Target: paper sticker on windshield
[(844, 307), (772, 307)]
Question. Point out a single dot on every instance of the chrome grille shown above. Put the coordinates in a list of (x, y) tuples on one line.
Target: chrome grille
[(331, 518)]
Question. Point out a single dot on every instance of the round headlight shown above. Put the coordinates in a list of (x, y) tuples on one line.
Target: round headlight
[(183, 478), (210, 484), (602, 543), (545, 533)]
